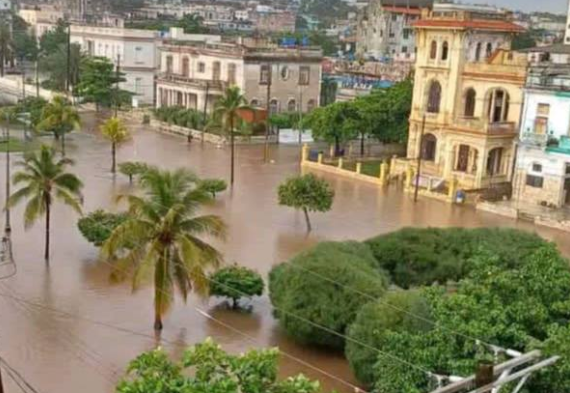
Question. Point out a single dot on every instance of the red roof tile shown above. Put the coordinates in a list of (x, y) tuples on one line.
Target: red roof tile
[(402, 10), (492, 25)]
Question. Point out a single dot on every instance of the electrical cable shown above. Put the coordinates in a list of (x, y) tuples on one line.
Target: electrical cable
[(10, 370)]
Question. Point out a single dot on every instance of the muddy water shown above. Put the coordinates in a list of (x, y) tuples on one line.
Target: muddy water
[(106, 325)]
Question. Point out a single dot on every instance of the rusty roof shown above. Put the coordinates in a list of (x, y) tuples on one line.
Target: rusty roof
[(480, 24)]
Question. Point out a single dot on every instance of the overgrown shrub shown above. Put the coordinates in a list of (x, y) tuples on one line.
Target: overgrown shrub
[(319, 289), (213, 186), (396, 311), (236, 282), (415, 256), (97, 226), (189, 118), (132, 169)]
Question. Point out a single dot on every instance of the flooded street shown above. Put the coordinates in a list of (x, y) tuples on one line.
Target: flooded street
[(66, 328)]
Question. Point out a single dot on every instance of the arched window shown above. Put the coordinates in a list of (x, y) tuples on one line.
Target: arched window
[(169, 64), (489, 50), (254, 103), (495, 161), (292, 106), (185, 67), (310, 105), (433, 50), (429, 147), (434, 97), (445, 51), (478, 51), (498, 107), (470, 101), (217, 71), (273, 106)]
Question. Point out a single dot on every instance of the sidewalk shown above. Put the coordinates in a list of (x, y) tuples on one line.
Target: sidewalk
[(539, 215)]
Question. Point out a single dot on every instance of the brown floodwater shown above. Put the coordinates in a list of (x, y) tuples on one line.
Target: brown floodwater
[(77, 331)]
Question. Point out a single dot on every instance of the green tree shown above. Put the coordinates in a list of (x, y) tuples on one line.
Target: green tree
[(213, 370), (54, 38), (97, 226), (44, 180), (192, 24), (227, 113), (213, 186), (330, 124), (60, 118), (25, 45), (166, 232), (317, 294), (98, 82), (236, 282), (307, 193), (5, 45), (525, 40), (33, 106), (54, 64), (131, 169), (115, 131)]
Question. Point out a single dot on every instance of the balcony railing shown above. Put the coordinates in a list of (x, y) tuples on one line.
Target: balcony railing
[(534, 140), (193, 82), (502, 128)]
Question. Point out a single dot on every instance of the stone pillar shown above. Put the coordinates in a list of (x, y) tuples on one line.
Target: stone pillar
[(452, 188), (340, 162), (384, 173), (320, 158), (409, 176), (359, 168), (331, 151), (305, 153)]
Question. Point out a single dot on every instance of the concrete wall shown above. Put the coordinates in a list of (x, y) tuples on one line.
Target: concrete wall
[(559, 117)]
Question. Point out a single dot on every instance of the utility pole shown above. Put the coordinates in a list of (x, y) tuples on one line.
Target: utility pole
[(300, 125), (268, 105), (7, 224), (117, 77), (416, 191), (68, 79), (205, 110)]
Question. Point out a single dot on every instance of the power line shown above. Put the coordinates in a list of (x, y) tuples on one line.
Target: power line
[(20, 379)]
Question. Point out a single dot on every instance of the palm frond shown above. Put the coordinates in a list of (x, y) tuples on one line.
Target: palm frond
[(205, 225)]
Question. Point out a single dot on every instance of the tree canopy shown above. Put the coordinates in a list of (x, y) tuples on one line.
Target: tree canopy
[(99, 82), (236, 282)]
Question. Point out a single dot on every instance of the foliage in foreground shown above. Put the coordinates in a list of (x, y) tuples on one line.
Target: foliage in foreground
[(306, 304), (307, 193), (213, 371), (97, 226), (416, 256), (236, 282)]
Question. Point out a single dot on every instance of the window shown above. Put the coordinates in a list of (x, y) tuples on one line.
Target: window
[(216, 71), (541, 121), (498, 106), (292, 106), (495, 161), (433, 50), (392, 34), (470, 101), (394, 17), (273, 106), (169, 64), (406, 33), (304, 75), (434, 97), (445, 51), (404, 49), (264, 74), (489, 50), (138, 86), (254, 103), (534, 181), (567, 169), (138, 55), (90, 48), (537, 168), (310, 105), (478, 51), (201, 67), (284, 73), (231, 73), (429, 146), (185, 68), (463, 158)]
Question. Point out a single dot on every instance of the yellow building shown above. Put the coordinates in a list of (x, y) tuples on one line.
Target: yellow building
[(468, 90)]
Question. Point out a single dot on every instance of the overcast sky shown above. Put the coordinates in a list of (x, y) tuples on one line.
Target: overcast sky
[(558, 6)]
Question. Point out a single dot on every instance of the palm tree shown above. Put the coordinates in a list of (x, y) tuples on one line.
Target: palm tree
[(115, 131), (226, 110), (162, 234), (59, 117), (43, 181)]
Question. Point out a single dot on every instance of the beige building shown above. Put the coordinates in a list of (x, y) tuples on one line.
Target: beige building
[(468, 88), (194, 74)]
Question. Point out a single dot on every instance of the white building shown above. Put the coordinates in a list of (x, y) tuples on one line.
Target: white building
[(567, 35), (5, 5), (136, 50), (196, 74), (41, 19)]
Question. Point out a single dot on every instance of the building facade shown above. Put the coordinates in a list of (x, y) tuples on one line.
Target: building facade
[(467, 96), (135, 51), (385, 29), (196, 74)]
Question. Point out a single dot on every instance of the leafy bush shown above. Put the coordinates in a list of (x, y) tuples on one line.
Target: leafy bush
[(133, 168), (414, 256), (189, 118), (213, 186), (236, 282), (522, 307), (396, 311), (300, 292), (97, 226)]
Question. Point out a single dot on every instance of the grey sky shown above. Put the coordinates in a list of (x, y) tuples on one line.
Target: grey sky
[(558, 6)]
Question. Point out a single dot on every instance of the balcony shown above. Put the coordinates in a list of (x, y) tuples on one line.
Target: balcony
[(501, 128), (483, 125), (187, 81), (532, 139)]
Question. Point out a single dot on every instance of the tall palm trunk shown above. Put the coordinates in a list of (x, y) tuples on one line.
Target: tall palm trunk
[(114, 158), (160, 291), (48, 223), (232, 142), (309, 227), (362, 144)]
